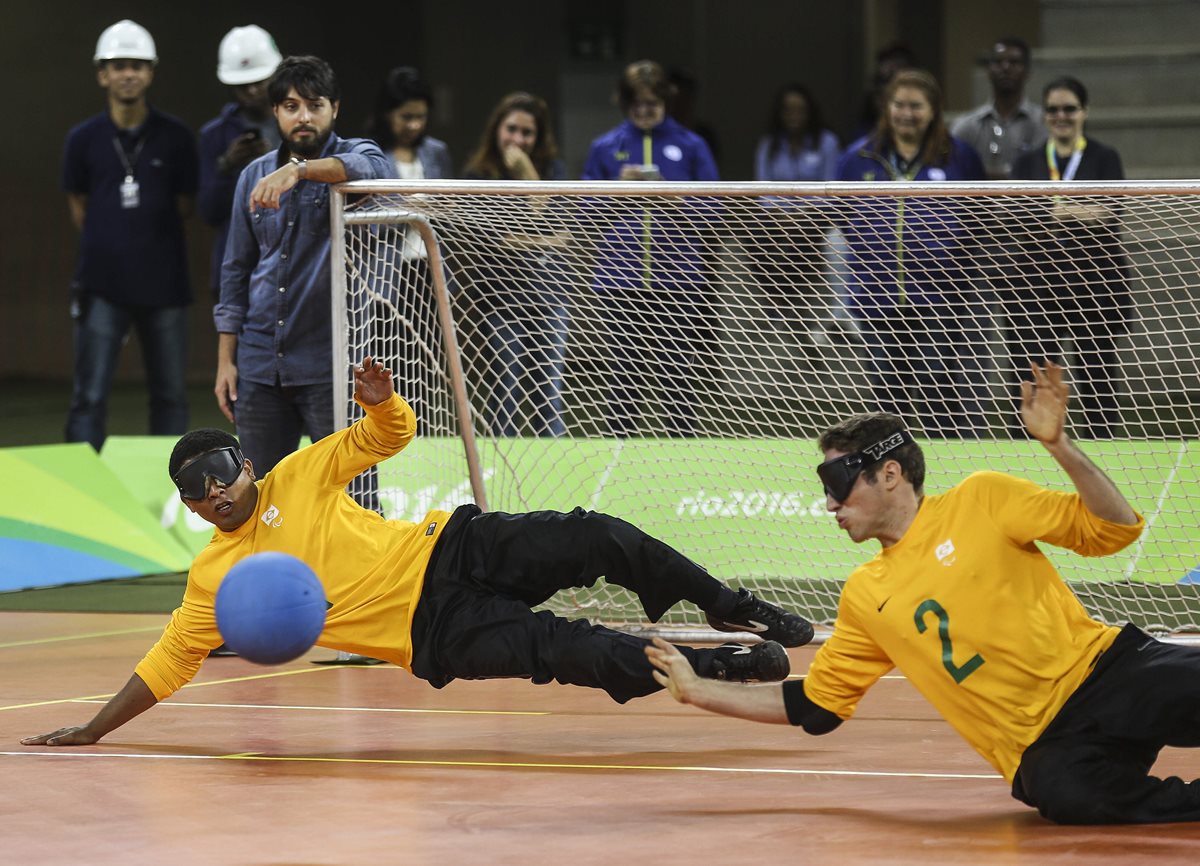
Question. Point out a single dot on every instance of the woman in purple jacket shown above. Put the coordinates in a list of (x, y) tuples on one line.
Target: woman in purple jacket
[(911, 277), (650, 269)]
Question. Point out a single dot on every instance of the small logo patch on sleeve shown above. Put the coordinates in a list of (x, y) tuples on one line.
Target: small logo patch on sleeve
[(431, 528)]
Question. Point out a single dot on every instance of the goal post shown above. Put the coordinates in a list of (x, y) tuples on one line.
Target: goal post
[(668, 353)]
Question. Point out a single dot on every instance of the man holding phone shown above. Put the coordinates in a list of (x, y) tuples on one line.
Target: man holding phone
[(243, 131)]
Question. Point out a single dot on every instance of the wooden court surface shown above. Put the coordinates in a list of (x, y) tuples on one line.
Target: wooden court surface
[(304, 764)]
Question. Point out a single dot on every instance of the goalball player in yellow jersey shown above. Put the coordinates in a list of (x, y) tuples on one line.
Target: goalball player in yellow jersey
[(1072, 712), (448, 597)]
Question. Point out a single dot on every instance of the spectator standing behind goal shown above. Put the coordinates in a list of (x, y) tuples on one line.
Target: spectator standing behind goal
[(889, 60), (520, 283), (789, 249), (1008, 125), (129, 174), (910, 266), (274, 376), (243, 131), (1074, 276), (963, 602), (650, 272), (399, 124)]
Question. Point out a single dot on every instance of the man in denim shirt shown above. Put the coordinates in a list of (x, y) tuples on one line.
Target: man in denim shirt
[(274, 378)]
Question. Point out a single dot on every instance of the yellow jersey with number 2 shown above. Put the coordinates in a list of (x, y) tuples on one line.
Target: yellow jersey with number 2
[(972, 612)]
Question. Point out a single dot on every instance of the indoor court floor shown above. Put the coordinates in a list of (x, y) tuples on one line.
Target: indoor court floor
[(305, 764)]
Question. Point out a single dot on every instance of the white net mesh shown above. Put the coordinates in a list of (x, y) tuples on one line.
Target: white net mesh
[(669, 353)]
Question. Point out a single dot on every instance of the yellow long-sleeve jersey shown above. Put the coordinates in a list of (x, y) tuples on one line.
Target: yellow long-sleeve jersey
[(372, 569), (974, 614)]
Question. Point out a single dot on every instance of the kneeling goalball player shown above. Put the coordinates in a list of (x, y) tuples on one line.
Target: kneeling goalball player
[(449, 597), (1072, 712)]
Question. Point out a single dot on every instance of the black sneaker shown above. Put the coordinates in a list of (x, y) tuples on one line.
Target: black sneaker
[(765, 662), (765, 620), (222, 652)]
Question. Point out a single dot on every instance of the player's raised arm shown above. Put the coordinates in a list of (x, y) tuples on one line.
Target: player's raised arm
[(133, 700), (373, 382), (1044, 413)]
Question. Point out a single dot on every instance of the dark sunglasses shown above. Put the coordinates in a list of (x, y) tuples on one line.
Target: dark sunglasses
[(1068, 110), (223, 466), (838, 475)]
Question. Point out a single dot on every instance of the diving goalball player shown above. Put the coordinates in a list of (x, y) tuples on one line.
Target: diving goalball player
[(449, 597), (1072, 712)]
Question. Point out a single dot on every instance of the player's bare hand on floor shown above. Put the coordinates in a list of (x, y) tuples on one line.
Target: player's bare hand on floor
[(75, 736)]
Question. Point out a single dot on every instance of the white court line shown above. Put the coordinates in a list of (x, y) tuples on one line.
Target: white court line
[(66, 752), (613, 459), (192, 685), (1158, 507), (85, 636), (339, 709)]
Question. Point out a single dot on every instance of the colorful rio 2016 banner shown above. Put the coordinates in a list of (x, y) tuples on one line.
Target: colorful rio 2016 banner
[(86, 517)]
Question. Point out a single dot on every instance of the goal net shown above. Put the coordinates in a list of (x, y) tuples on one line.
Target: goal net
[(668, 353)]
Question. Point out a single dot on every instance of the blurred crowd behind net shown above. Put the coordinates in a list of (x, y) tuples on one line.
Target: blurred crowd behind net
[(671, 357)]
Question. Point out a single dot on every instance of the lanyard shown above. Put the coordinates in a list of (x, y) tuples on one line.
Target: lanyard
[(1072, 164), (914, 168), (125, 160)]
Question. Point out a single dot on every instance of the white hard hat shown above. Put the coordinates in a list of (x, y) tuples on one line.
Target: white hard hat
[(247, 54), (125, 40)]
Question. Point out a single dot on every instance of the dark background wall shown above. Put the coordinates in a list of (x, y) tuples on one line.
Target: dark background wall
[(473, 53)]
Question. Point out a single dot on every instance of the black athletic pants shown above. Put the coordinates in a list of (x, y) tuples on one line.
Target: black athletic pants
[(1091, 765), (474, 621)]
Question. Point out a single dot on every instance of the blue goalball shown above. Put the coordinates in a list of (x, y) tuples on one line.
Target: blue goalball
[(270, 608)]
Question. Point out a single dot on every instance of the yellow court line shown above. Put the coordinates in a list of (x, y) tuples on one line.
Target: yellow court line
[(87, 698), (345, 709), (67, 752), (80, 636)]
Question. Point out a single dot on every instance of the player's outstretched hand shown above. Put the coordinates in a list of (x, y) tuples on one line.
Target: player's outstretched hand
[(1044, 403), (672, 670), (76, 736), (373, 382)]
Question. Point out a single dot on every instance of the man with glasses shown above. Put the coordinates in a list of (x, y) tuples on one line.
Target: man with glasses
[(963, 602), (449, 597), (1009, 124)]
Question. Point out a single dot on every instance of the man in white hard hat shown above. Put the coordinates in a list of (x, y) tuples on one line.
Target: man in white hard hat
[(243, 131), (129, 174)]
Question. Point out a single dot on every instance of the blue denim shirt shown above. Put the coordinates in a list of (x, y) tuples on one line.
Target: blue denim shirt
[(275, 280)]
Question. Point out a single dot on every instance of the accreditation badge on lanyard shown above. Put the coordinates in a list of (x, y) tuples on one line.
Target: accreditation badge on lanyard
[(131, 194), (1072, 164)]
